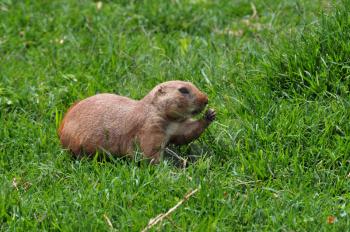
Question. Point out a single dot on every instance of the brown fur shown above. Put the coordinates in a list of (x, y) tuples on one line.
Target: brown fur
[(114, 123), (63, 121)]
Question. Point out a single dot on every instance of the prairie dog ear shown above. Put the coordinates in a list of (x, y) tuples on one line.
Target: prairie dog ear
[(161, 90)]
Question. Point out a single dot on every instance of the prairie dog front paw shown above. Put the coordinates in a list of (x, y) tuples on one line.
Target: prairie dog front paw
[(210, 115)]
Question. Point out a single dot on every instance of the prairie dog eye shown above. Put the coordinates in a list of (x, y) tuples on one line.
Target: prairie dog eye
[(184, 90)]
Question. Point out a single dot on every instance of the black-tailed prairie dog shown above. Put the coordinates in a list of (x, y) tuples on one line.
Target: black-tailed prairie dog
[(112, 123)]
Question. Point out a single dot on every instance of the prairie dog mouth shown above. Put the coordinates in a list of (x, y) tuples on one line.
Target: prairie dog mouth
[(197, 111)]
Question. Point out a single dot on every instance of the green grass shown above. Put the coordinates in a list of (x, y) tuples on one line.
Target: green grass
[(276, 159)]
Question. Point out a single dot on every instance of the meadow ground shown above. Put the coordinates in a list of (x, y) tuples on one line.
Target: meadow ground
[(277, 72)]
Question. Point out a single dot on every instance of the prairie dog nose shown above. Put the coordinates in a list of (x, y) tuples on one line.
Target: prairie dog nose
[(203, 100)]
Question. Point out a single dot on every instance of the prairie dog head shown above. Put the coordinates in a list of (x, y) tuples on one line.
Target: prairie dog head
[(178, 99)]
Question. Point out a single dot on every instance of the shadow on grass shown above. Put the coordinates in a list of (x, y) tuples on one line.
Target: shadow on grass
[(179, 157)]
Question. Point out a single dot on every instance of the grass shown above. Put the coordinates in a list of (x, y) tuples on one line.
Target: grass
[(277, 158)]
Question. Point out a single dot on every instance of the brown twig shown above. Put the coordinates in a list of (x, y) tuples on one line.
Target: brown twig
[(255, 12), (14, 183), (161, 216), (108, 221)]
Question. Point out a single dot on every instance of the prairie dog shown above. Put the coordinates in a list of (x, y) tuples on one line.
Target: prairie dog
[(112, 123)]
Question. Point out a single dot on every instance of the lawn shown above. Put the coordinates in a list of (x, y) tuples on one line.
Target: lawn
[(277, 73)]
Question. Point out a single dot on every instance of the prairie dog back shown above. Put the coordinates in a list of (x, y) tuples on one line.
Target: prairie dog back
[(97, 122)]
